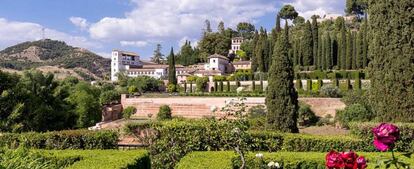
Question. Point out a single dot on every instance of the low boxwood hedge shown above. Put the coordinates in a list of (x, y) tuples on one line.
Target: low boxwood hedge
[(288, 160), (99, 159), (69, 139), (404, 144)]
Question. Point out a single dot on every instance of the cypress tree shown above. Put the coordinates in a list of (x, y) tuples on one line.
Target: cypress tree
[(172, 78), (320, 51), (354, 51), (359, 50), (215, 86), (343, 47), (191, 87), (315, 40), (323, 53), (185, 87), (349, 46), (309, 85), (328, 52), (228, 86), (307, 48), (281, 97), (299, 85), (221, 86), (261, 85), (364, 44), (253, 86), (392, 65), (278, 28), (319, 84), (295, 53), (254, 46), (335, 82)]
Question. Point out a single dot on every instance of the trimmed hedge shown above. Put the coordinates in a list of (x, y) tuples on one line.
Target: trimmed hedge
[(288, 160), (404, 144), (68, 139), (207, 160), (176, 138), (99, 159)]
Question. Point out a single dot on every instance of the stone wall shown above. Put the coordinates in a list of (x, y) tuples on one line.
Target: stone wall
[(112, 112), (199, 107)]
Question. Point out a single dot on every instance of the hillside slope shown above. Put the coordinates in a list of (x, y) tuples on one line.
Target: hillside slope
[(48, 52)]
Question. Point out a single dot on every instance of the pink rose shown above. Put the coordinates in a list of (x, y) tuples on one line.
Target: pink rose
[(334, 160), (385, 136), (361, 162)]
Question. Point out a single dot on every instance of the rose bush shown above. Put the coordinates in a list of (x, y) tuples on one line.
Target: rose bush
[(385, 136), (345, 160)]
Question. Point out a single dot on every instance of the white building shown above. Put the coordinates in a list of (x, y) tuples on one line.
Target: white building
[(122, 61), (236, 44), (217, 62)]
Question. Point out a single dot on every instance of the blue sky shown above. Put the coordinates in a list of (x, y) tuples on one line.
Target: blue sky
[(138, 25)]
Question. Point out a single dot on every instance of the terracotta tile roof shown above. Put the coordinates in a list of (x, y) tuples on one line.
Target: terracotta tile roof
[(218, 56)]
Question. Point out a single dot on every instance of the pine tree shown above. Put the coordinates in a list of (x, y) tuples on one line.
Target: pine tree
[(157, 57), (315, 40), (307, 48), (349, 52), (281, 97), (172, 78), (391, 68)]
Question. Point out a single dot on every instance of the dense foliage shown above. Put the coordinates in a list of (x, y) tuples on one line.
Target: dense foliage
[(37, 102), (164, 113), (281, 97), (69, 139), (392, 68)]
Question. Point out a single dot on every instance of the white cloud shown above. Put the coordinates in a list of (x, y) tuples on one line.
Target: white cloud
[(12, 32), (104, 54), (307, 8), (158, 20), (82, 23), (134, 43)]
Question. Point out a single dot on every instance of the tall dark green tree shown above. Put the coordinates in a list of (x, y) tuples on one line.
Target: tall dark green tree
[(172, 78), (365, 43), (157, 57), (343, 45), (245, 30), (321, 59), (278, 28), (392, 65), (281, 97), (315, 39), (328, 51), (359, 50), (307, 46), (354, 50), (349, 52), (253, 45)]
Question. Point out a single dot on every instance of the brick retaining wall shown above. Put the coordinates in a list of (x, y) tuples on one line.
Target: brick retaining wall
[(199, 107)]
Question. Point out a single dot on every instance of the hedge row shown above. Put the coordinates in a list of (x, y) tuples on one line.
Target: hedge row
[(288, 160), (69, 139), (332, 75), (226, 94), (178, 137), (404, 144), (99, 159)]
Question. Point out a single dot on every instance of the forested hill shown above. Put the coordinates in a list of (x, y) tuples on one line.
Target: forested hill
[(54, 53)]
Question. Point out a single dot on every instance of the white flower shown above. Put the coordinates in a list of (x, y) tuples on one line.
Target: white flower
[(270, 164), (277, 165), (260, 155)]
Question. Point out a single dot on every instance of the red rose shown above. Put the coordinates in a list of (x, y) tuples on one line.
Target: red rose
[(334, 160), (361, 162), (349, 159)]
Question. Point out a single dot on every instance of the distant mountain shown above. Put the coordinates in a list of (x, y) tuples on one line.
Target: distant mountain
[(46, 53)]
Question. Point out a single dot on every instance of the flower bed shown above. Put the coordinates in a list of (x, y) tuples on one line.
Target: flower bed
[(289, 160)]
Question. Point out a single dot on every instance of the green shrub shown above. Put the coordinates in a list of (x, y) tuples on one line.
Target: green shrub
[(171, 88), (128, 112), (102, 159), (309, 85), (69, 139), (23, 159), (404, 144), (164, 113), (306, 116), (354, 113), (109, 97), (207, 160), (330, 91)]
